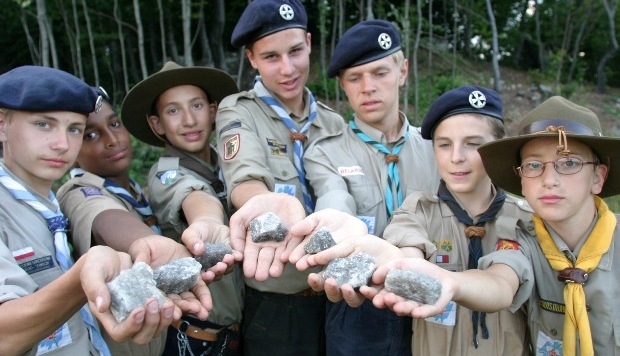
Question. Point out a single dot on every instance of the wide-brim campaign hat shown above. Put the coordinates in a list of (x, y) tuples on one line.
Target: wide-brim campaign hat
[(553, 117), (138, 104)]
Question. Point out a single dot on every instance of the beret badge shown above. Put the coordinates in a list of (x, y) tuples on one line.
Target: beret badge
[(477, 99), (286, 11), (385, 41)]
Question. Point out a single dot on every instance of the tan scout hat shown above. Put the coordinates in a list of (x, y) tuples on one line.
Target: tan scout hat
[(501, 157), (138, 104)]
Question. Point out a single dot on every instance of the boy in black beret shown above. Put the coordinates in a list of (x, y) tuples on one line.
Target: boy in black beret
[(454, 226), (368, 169), (43, 292), (262, 135)]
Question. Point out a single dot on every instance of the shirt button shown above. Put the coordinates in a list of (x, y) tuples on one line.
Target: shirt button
[(284, 173)]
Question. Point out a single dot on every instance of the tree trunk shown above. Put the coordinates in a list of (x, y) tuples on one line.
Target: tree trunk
[(187, 36), (611, 52), (174, 48), (162, 32), (577, 43), (70, 35), (34, 51), (216, 38), (416, 76), (136, 10), (539, 42), (455, 17), (430, 48), (121, 40), (495, 56), (323, 46), (78, 35), (43, 35), (91, 41)]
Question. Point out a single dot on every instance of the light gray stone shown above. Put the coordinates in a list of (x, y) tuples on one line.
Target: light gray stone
[(320, 241), (414, 286), (355, 270), (214, 253), (177, 276), (130, 290), (267, 227)]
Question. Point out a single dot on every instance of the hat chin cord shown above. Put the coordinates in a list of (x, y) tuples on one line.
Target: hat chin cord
[(562, 147)]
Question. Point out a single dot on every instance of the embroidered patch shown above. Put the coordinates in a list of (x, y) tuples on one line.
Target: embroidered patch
[(276, 148), (446, 317), (290, 189), (442, 259), (23, 253), (351, 171), (444, 245), (91, 191), (369, 221), (507, 245), (37, 265), (58, 339), (167, 177), (233, 125), (546, 346), (231, 147)]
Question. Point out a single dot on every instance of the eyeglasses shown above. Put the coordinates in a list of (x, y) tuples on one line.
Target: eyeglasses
[(565, 166)]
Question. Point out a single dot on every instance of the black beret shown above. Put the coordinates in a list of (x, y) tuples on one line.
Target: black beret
[(265, 17), (365, 42), (36, 88), (465, 99)]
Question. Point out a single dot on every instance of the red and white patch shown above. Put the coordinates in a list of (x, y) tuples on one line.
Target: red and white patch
[(231, 147), (443, 259), (351, 171), (23, 253), (507, 245)]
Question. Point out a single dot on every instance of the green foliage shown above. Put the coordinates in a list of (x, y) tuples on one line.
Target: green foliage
[(144, 156)]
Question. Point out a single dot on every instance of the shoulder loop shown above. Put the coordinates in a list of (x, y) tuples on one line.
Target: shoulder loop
[(167, 164)]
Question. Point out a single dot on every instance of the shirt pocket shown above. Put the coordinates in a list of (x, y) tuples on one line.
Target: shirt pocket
[(282, 168), (368, 197)]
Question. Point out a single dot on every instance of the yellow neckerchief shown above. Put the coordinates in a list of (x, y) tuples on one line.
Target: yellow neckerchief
[(575, 315)]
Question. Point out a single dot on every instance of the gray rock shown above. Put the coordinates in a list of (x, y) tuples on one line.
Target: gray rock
[(355, 270), (267, 227), (130, 290), (214, 253), (320, 241), (177, 276), (413, 286)]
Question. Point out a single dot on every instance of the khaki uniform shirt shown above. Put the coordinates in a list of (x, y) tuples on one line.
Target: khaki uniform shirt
[(28, 263), (541, 294), (427, 223), (350, 175), (169, 185), (82, 199), (254, 144)]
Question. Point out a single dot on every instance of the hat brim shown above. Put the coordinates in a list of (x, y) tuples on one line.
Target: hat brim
[(137, 104), (501, 157)]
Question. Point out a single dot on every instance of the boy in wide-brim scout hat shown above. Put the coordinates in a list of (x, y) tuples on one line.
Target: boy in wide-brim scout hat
[(562, 268), (176, 108)]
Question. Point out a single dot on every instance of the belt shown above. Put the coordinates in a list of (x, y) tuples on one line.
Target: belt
[(308, 293), (193, 331)]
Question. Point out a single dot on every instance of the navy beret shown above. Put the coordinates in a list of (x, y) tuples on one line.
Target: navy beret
[(36, 88), (465, 99), (365, 42), (265, 17)]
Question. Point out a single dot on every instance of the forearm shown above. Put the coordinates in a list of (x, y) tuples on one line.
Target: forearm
[(30, 319), (201, 206), (119, 229), (246, 190), (499, 283)]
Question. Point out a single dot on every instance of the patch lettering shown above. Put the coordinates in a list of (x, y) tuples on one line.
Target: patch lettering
[(91, 191), (37, 265), (231, 147), (351, 171)]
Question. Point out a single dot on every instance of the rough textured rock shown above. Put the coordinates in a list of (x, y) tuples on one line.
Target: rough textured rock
[(355, 270), (267, 227), (177, 276), (130, 290), (214, 253), (413, 286), (320, 241)]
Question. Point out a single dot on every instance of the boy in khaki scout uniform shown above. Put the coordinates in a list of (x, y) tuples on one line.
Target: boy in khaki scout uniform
[(563, 270), (455, 226), (262, 134), (175, 108), (104, 205), (368, 169), (43, 292)]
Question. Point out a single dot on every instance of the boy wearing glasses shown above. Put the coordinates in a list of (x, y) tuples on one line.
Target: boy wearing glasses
[(562, 269)]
